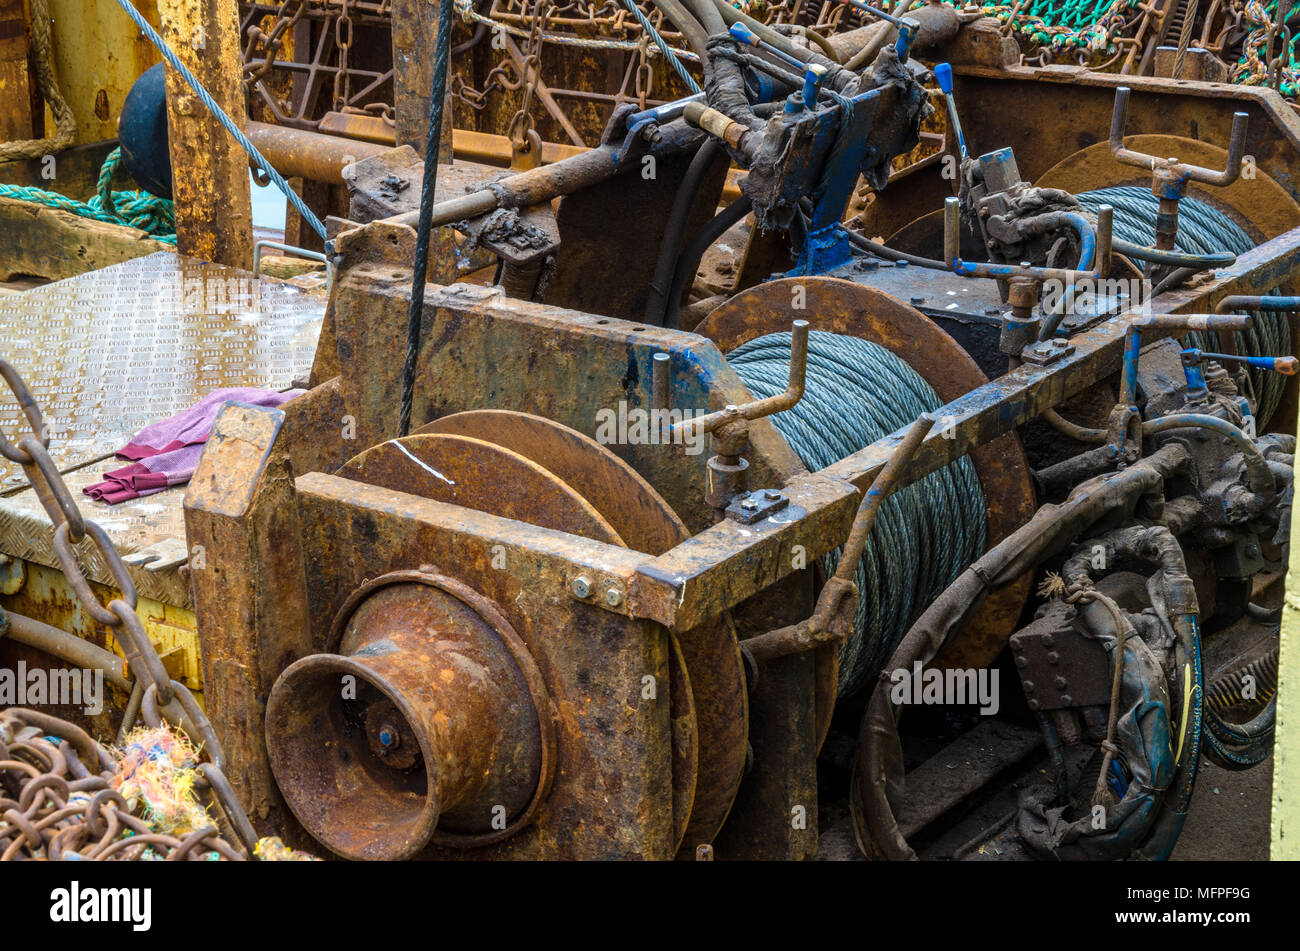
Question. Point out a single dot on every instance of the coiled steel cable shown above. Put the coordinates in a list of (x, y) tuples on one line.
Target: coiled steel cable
[(925, 534), (1202, 229)]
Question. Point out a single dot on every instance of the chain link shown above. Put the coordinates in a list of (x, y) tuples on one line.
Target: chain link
[(161, 699)]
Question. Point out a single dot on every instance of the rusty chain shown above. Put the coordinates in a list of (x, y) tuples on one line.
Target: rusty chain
[(57, 801), (154, 694)]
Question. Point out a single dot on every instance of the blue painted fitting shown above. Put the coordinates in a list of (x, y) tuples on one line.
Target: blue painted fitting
[(943, 75)]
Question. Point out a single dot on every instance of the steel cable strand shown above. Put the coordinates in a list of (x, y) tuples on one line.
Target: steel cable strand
[(926, 533), (1202, 229)]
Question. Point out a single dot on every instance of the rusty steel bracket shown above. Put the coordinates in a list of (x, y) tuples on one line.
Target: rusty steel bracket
[(1047, 352), (757, 506)]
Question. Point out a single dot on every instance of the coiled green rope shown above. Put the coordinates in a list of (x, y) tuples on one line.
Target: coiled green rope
[(138, 209), (1202, 229), (925, 534)]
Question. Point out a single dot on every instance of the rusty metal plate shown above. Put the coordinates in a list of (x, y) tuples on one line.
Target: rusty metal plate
[(843, 307), (110, 351), (714, 670)]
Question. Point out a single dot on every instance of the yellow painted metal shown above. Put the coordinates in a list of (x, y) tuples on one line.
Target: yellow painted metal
[(46, 596), (98, 54), (1286, 741)]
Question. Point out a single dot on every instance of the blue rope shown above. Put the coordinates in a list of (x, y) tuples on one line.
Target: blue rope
[(925, 534), (663, 46), (211, 105)]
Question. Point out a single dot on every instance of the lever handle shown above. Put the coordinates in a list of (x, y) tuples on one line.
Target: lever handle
[(1230, 173)]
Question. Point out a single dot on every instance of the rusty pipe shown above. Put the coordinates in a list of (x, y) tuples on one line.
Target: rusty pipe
[(297, 153), (66, 647), (765, 407)]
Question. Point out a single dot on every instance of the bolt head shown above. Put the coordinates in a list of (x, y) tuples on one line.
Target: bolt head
[(581, 586), (772, 495), (613, 596)]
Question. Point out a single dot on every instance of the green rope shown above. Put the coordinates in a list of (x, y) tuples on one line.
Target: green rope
[(135, 209), (925, 534), (1202, 229)]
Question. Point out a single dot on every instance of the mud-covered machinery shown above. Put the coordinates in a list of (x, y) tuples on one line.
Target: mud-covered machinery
[(588, 556)]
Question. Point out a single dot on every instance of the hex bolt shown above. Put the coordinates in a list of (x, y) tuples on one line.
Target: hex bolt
[(771, 495), (581, 586), (1061, 683), (749, 505), (613, 596), (1053, 657), (1067, 699)]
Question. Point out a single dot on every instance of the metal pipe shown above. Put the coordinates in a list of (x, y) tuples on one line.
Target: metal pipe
[(765, 407), (297, 153), (66, 647), (661, 383)]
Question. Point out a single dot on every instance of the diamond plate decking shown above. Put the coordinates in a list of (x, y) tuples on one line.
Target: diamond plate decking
[(108, 352)]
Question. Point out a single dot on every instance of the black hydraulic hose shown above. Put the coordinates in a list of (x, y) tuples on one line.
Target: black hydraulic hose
[(656, 301), (441, 59), (890, 254), (682, 18), (689, 260)]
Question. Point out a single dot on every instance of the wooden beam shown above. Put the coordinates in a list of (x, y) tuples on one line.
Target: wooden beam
[(214, 218)]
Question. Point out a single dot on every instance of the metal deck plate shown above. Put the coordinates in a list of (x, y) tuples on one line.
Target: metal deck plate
[(108, 352)]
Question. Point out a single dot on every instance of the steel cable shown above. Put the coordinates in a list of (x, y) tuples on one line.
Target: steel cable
[(1202, 229), (925, 534)]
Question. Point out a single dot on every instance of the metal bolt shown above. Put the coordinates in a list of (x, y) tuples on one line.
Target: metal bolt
[(1061, 683), (1043, 349), (918, 300), (772, 495), (613, 596), (389, 736), (1066, 699), (1033, 704), (1022, 662), (1029, 686), (1053, 657), (581, 586), (749, 505)]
